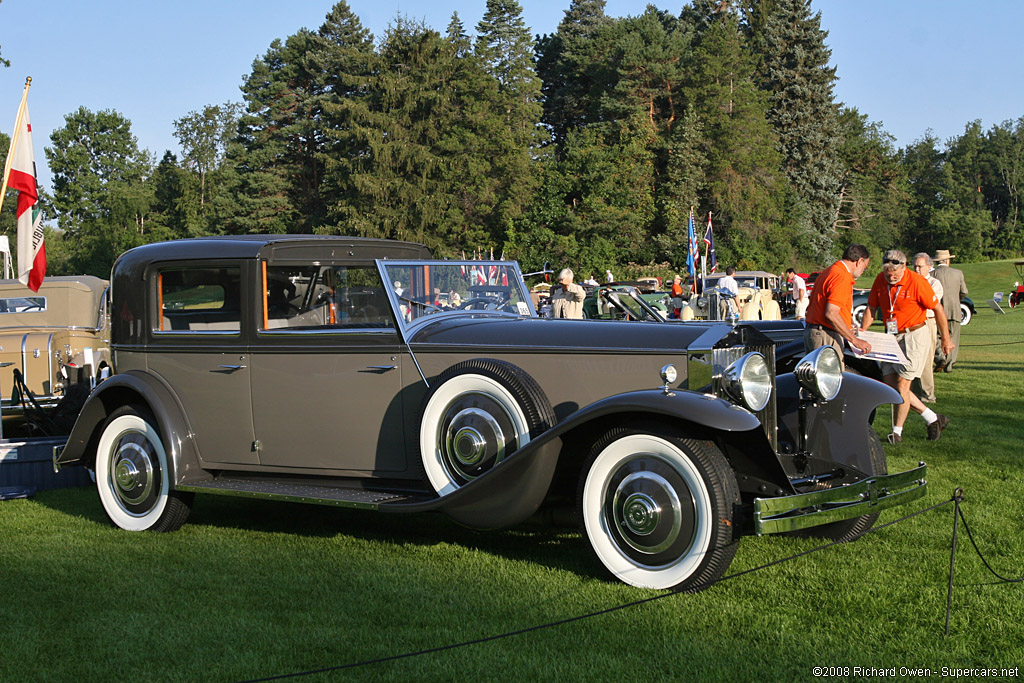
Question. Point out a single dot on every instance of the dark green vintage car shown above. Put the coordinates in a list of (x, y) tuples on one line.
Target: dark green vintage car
[(330, 370)]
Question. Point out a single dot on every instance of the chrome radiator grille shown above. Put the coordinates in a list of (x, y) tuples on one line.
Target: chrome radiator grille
[(723, 358)]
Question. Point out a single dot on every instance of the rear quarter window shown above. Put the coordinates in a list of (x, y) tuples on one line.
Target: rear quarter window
[(199, 300)]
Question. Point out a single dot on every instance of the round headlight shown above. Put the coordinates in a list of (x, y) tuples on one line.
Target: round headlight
[(669, 374), (821, 372), (749, 381)]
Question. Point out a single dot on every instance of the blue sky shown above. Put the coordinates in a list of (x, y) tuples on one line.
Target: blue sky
[(912, 65)]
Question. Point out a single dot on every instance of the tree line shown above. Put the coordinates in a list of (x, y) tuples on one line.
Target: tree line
[(587, 147)]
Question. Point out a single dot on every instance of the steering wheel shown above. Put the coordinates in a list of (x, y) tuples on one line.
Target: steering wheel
[(479, 303)]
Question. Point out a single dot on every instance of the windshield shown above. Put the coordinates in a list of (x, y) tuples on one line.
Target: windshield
[(625, 303), (429, 288)]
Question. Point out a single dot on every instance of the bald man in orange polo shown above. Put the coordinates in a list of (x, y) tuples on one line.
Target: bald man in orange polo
[(830, 309)]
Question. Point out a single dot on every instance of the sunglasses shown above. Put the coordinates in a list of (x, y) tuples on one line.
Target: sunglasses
[(893, 262)]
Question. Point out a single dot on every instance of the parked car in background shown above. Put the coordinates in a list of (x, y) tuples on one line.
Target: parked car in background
[(1017, 295), (50, 340), (295, 368), (860, 304)]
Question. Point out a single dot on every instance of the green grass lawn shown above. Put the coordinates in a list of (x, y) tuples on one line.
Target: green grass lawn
[(250, 589)]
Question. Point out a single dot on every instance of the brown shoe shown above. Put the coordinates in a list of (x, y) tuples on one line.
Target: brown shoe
[(935, 428), (896, 439)]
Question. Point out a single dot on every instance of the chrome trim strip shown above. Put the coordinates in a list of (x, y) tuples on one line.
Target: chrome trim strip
[(41, 328), (804, 510), (192, 333), (49, 361), (298, 331)]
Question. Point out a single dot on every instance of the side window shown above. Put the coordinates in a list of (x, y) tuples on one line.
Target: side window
[(324, 298), (199, 300), (23, 304)]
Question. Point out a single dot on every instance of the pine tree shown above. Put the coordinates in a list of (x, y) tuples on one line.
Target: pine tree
[(794, 70), (505, 50), (745, 188), (573, 67)]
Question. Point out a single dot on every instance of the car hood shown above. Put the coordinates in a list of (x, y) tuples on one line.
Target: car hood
[(502, 331)]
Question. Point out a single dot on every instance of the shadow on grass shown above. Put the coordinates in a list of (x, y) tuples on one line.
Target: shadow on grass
[(554, 547)]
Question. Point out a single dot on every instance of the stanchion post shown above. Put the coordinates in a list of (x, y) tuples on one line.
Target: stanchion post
[(958, 495)]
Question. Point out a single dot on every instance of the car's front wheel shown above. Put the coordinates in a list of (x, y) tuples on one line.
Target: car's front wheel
[(132, 476), (658, 508)]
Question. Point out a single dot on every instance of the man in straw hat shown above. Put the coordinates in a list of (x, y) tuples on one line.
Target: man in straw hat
[(953, 289)]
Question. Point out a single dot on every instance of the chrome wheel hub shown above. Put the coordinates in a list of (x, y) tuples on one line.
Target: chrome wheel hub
[(132, 471), (649, 511), (475, 434)]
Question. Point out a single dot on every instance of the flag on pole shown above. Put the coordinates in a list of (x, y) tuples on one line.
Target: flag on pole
[(692, 253), (709, 246), (21, 176)]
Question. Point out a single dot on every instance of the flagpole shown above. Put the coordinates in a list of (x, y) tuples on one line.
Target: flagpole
[(14, 139)]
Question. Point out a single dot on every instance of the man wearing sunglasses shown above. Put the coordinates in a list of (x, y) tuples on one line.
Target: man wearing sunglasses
[(903, 298)]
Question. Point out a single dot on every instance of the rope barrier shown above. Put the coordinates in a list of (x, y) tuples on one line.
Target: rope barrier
[(958, 515)]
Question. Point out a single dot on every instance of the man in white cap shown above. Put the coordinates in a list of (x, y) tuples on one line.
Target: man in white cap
[(953, 289)]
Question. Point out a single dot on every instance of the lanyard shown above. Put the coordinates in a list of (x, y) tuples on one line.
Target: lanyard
[(892, 302)]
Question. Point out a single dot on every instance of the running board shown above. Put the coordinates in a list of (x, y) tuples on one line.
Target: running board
[(303, 493)]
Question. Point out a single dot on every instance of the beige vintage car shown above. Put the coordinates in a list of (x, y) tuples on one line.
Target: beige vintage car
[(54, 338)]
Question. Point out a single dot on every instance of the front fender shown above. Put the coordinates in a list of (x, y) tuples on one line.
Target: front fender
[(123, 389), (514, 489), (837, 431)]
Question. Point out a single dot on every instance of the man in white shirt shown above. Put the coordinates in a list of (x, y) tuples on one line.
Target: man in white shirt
[(799, 293), (729, 282), (924, 387)]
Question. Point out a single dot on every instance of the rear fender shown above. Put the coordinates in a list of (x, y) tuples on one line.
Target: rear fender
[(131, 388)]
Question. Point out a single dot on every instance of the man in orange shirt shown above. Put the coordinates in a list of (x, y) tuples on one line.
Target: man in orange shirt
[(903, 298), (830, 305)]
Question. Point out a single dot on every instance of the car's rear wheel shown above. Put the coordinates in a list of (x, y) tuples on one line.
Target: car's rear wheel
[(658, 508), (132, 476), (965, 314), (858, 314), (477, 413), (851, 529)]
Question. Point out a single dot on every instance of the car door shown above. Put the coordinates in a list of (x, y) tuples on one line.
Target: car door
[(200, 351), (327, 371)]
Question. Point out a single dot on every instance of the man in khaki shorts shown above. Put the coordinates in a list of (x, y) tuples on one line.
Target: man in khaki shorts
[(903, 297)]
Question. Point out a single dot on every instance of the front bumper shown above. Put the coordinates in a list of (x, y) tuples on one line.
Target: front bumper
[(803, 510)]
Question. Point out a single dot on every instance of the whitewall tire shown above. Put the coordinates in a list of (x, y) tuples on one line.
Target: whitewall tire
[(478, 413), (132, 475), (658, 508)]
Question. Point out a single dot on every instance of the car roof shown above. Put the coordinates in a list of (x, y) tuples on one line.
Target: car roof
[(743, 273), (271, 246)]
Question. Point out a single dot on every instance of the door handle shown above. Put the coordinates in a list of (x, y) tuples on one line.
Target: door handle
[(232, 367), (379, 369)]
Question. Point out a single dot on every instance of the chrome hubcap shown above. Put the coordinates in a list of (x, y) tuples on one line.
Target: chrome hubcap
[(132, 472), (641, 514), (650, 511), (475, 434), (469, 446)]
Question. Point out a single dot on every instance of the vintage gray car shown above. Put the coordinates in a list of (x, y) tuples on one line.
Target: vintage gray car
[(331, 370)]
